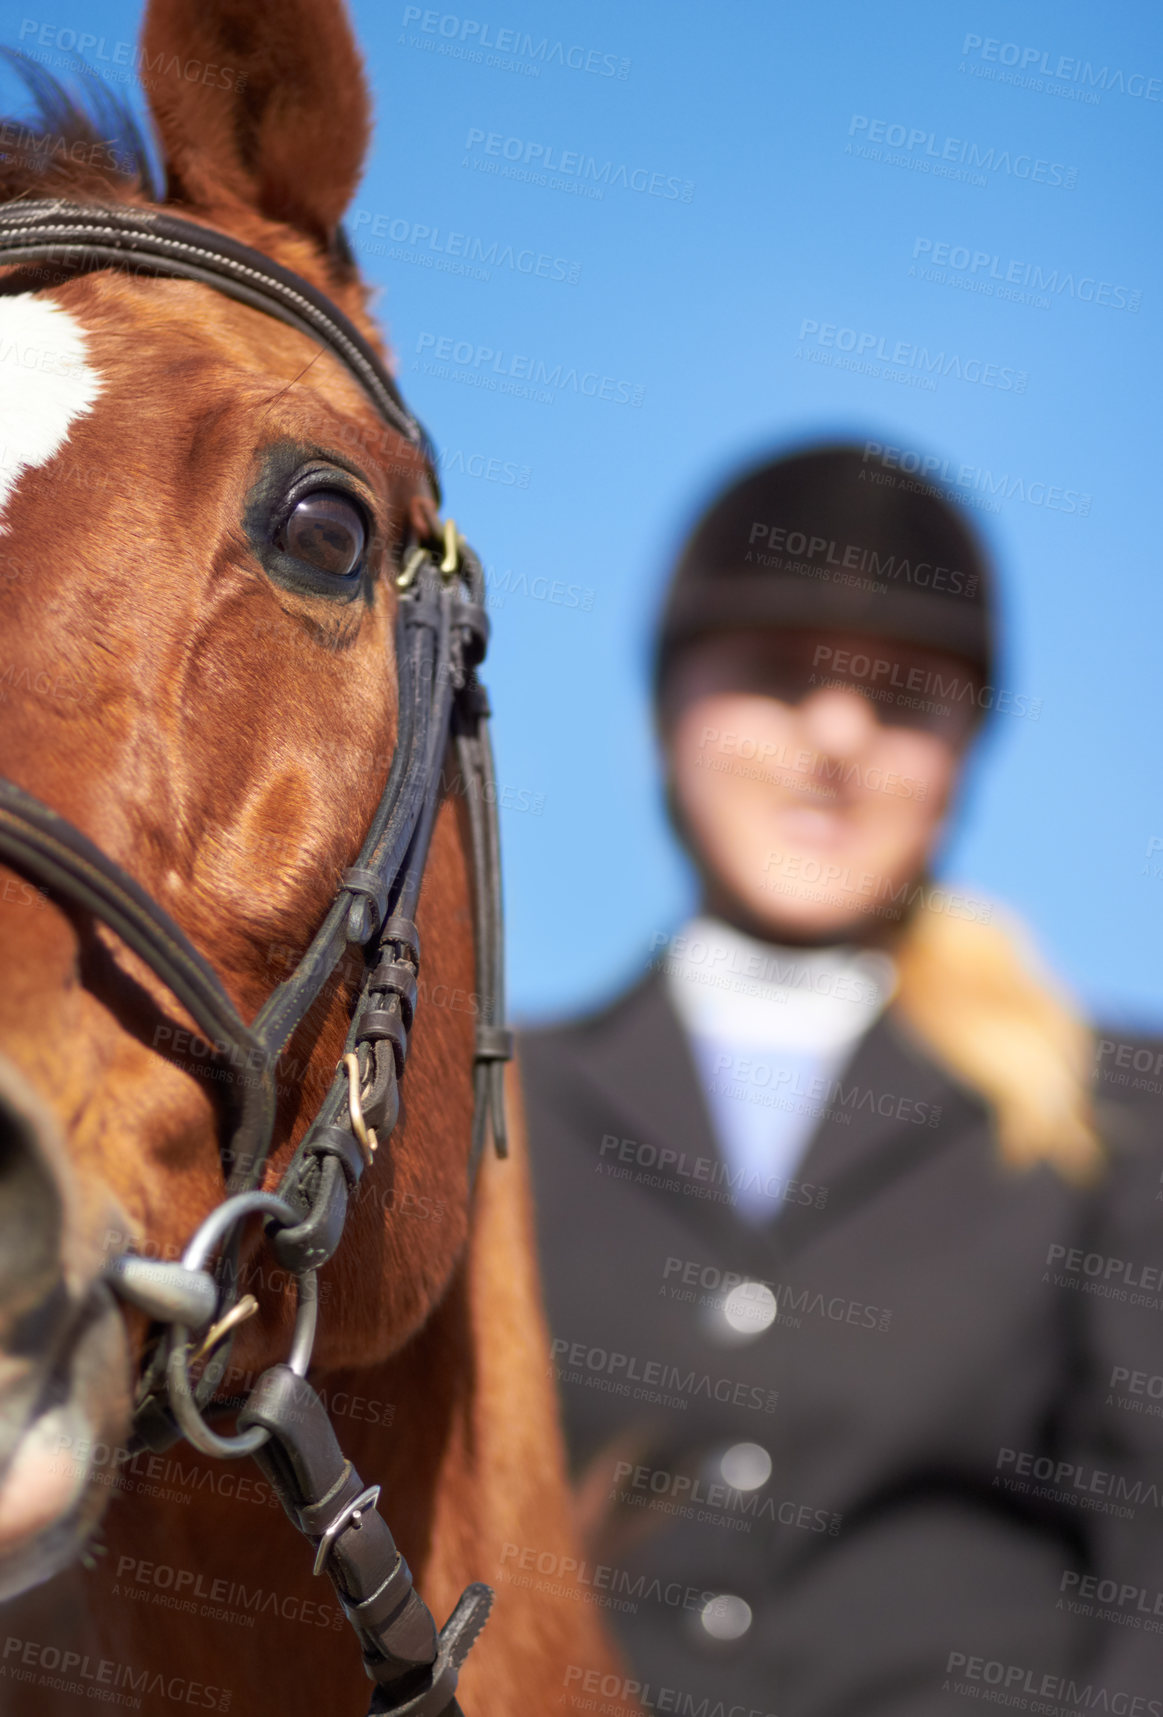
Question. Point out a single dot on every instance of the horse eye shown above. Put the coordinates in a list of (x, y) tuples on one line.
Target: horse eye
[(326, 529)]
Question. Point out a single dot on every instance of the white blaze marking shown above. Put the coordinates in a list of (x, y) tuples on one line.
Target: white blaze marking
[(46, 383)]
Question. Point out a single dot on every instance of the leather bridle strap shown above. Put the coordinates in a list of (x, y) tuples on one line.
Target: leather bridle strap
[(76, 238), (55, 853), (442, 632), (71, 238)]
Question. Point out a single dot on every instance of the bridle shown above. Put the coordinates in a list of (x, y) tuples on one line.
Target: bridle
[(441, 635)]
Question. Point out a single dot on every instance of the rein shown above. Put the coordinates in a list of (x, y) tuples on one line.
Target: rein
[(441, 635)]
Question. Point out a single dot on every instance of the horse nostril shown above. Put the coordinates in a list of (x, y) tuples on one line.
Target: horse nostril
[(64, 1368), (32, 1214)]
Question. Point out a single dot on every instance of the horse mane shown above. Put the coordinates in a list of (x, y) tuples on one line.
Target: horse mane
[(75, 144)]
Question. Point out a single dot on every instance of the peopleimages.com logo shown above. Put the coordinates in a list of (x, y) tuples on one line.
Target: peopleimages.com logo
[(128, 54), (456, 252), (517, 372), (536, 51), (978, 481), (1013, 278), (905, 355), (1013, 1679), (927, 151), (525, 158), (1027, 67)]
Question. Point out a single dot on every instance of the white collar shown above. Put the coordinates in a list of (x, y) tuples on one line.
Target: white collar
[(725, 984)]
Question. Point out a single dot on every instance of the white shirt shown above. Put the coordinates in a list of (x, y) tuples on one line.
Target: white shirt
[(771, 1027)]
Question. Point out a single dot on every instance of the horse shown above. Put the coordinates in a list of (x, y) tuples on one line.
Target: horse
[(215, 517)]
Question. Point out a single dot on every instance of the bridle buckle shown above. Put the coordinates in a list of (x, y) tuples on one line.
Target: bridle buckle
[(349, 1515), (365, 1135), (450, 565)]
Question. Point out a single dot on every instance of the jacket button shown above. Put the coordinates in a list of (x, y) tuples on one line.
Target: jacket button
[(725, 1617), (745, 1466), (747, 1311)]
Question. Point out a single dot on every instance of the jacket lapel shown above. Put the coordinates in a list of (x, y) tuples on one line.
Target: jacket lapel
[(640, 1062), (890, 1110)]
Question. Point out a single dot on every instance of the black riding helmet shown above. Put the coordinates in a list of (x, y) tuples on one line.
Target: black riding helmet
[(833, 538)]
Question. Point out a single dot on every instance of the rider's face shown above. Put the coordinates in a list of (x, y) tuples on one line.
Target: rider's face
[(812, 771)]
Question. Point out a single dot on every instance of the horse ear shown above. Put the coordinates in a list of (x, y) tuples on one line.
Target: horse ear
[(259, 102)]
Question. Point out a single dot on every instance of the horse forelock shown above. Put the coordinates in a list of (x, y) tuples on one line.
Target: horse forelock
[(87, 145)]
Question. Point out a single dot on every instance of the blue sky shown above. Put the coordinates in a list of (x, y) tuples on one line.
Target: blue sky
[(784, 190)]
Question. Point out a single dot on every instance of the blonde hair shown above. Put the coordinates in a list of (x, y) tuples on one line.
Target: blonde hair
[(976, 995)]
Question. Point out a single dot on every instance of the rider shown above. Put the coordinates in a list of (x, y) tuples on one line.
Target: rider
[(820, 1195)]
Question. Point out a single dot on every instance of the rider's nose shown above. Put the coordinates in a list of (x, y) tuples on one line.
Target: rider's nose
[(839, 721)]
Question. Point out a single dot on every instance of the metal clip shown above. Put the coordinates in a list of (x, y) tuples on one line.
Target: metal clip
[(365, 1135), (238, 1314), (451, 562), (449, 565), (406, 577)]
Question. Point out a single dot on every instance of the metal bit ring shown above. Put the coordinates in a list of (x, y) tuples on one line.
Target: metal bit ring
[(185, 1408)]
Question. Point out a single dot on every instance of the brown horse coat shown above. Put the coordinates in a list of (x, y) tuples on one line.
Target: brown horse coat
[(226, 741)]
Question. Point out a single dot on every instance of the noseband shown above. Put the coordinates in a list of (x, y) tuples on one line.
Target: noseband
[(441, 635)]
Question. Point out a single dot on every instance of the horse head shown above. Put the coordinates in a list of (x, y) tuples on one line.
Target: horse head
[(202, 522)]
